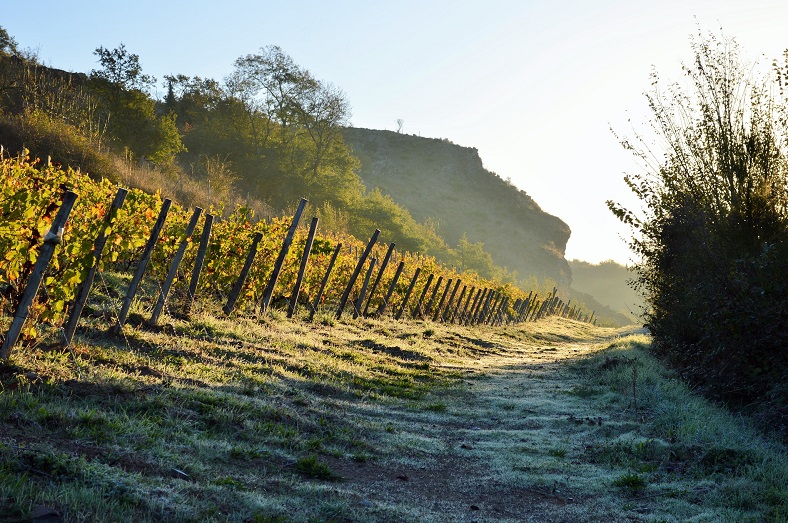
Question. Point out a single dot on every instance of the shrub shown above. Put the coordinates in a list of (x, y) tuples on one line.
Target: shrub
[(714, 238)]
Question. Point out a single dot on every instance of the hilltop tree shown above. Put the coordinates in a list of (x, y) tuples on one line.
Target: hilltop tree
[(7, 43), (294, 123), (129, 112), (121, 68)]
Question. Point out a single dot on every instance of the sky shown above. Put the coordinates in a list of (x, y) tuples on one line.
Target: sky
[(534, 85)]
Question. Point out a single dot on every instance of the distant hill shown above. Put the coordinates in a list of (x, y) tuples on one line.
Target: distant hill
[(607, 282), (445, 183)]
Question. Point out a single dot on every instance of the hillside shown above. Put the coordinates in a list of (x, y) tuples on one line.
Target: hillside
[(607, 283), (435, 197), (438, 180)]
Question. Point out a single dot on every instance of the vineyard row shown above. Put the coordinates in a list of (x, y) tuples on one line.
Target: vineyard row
[(50, 237)]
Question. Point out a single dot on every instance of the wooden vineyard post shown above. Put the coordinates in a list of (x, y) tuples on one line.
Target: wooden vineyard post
[(464, 312), (477, 303), (239, 283), (198, 261), (492, 312), (142, 265), (532, 306), (502, 311), (176, 262), (98, 249), (356, 272), (519, 306), (473, 297), (524, 307), (439, 308), (565, 310), (324, 281), (492, 317), (383, 306), (511, 319), (407, 293), (383, 266), (51, 240), (538, 314), (302, 268), (543, 306), (417, 311), (269, 290), (493, 309), (491, 297), (459, 304), (483, 303), (448, 313), (360, 300), (528, 311), (537, 306), (516, 308), (431, 301), (548, 304), (502, 306)]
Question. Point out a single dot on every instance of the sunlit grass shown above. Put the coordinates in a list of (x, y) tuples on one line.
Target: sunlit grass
[(237, 419)]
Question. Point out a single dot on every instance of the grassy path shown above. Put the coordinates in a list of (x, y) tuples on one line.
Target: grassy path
[(371, 421), (508, 445)]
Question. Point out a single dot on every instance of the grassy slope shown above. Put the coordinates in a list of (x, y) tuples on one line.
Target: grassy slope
[(277, 420)]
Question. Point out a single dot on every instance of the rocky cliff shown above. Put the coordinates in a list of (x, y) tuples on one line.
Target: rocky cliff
[(446, 183)]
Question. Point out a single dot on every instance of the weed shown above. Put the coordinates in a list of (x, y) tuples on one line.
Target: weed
[(360, 457), (229, 481), (265, 518), (327, 320), (558, 452), (311, 467), (585, 391), (436, 407), (632, 481)]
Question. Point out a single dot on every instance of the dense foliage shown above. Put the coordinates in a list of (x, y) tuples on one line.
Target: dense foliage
[(714, 238)]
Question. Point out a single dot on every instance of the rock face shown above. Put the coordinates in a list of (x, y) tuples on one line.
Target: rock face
[(437, 180)]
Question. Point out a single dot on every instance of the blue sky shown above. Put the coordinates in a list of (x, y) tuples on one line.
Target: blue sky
[(534, 85)]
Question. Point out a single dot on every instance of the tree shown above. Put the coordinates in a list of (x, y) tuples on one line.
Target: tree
[(713, 237), (472, 256), (294, 124), (121, 68), (129, 112), (7, 43)]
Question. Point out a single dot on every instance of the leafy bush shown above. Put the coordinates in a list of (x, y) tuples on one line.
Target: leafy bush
[(714, 238)]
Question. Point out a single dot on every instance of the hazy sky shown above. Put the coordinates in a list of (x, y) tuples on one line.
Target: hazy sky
[(534, 85)]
